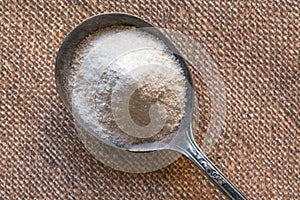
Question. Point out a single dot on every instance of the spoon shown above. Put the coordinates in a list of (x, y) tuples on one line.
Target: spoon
[(182, 139)]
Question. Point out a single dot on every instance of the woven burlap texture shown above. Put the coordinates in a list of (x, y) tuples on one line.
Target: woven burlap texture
[(256, 47)]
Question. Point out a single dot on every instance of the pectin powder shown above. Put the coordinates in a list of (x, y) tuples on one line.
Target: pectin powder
[(127, 87)]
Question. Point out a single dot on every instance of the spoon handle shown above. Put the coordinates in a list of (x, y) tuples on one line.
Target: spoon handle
[(195, 154)]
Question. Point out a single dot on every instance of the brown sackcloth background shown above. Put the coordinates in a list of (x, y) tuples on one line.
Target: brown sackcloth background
[(256, 46)]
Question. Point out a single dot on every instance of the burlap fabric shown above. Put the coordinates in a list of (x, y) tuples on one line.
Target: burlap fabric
[(256, 46)]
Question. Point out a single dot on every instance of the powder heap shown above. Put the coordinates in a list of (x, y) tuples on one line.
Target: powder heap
[(127, 87)]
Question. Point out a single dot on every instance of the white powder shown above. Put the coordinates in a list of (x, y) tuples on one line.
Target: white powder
[(119, 73)]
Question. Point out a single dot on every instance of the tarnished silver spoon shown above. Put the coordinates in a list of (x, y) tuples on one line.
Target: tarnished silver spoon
[(181, 140)]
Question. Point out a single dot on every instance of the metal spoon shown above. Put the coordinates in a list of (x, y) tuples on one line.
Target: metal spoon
[(182, 140)]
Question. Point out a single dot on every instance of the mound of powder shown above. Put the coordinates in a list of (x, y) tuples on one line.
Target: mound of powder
[(127, 87)]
